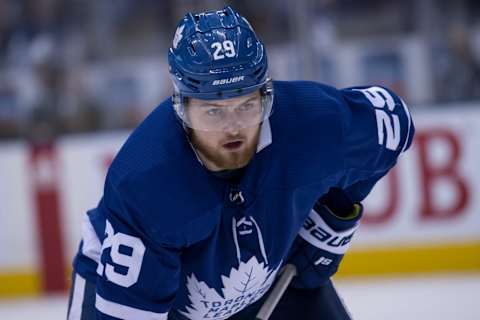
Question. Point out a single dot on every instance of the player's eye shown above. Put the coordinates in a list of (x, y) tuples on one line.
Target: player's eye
[(246, 107), (214, 112)]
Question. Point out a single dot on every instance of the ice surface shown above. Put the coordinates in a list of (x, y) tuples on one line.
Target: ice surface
[(420, 298)]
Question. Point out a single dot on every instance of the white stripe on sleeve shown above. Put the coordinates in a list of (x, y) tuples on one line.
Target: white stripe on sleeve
[(77, 298), (117, 310), (91, 244)]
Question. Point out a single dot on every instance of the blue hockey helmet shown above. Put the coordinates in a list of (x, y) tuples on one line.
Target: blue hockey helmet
[(216, 55)]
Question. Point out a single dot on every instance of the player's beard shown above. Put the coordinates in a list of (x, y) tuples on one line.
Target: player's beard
[(222, 158)]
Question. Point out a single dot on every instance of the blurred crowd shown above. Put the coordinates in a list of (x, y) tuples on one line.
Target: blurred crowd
[(70, 66)]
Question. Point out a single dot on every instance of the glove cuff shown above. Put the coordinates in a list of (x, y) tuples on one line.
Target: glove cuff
[(338, 223)]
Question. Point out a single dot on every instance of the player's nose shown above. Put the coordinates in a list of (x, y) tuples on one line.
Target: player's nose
[(232, 124), (232, 131)]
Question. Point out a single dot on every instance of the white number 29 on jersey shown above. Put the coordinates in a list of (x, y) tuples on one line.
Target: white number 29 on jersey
[(387, 122), (130, 259)]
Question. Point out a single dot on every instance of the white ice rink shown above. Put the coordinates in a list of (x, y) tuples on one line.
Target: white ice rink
[(416, 298)]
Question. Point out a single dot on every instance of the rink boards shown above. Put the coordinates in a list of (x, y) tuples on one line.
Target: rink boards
[(423, 217)]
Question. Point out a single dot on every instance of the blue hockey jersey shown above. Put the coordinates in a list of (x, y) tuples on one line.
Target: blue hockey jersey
[(168, 235)]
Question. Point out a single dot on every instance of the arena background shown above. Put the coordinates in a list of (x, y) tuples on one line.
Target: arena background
[(76, 76)]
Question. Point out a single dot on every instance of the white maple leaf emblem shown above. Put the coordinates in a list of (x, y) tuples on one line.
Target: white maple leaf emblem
[(242, 287)]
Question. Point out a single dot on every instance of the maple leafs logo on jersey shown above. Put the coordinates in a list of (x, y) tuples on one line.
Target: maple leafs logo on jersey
[(241, 288), (178, 36)]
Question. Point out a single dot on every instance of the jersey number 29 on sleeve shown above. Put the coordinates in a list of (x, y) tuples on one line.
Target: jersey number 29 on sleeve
[(387, 122), (131, 259)]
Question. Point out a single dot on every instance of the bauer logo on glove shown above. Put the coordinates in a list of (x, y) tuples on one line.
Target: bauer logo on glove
[(316, 232)]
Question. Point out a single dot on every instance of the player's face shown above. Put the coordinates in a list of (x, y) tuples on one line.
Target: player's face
[(233, 145)]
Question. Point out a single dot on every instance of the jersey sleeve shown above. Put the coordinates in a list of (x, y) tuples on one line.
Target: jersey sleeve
[(378, 128), (137, 278)]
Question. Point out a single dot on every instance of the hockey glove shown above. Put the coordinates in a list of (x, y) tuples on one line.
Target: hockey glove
[(324, 238)]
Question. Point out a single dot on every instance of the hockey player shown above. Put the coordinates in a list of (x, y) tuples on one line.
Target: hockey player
[(230, 179)]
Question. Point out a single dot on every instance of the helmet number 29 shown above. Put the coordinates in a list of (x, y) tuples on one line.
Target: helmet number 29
[(223, 49)]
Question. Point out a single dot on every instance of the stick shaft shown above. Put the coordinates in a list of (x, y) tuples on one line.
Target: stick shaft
[(266, 310)]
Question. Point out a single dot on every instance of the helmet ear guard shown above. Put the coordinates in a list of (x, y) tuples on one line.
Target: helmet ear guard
[(179, 104), (266, 95)]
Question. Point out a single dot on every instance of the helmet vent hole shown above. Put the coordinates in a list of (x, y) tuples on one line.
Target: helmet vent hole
[(195, 81), (191, 50)]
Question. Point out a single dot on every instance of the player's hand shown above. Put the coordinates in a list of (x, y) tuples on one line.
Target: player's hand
[(324, 238)]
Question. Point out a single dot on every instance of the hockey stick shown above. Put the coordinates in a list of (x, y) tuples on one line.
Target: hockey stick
[(266, 310)]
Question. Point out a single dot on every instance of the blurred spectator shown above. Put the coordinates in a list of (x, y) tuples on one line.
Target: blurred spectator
[(65, 59), (459, 68), (10, 118), (6, 29), (44, 121)]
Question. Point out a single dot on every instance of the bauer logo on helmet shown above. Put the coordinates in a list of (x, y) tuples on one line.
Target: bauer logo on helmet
[(219, 82)]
